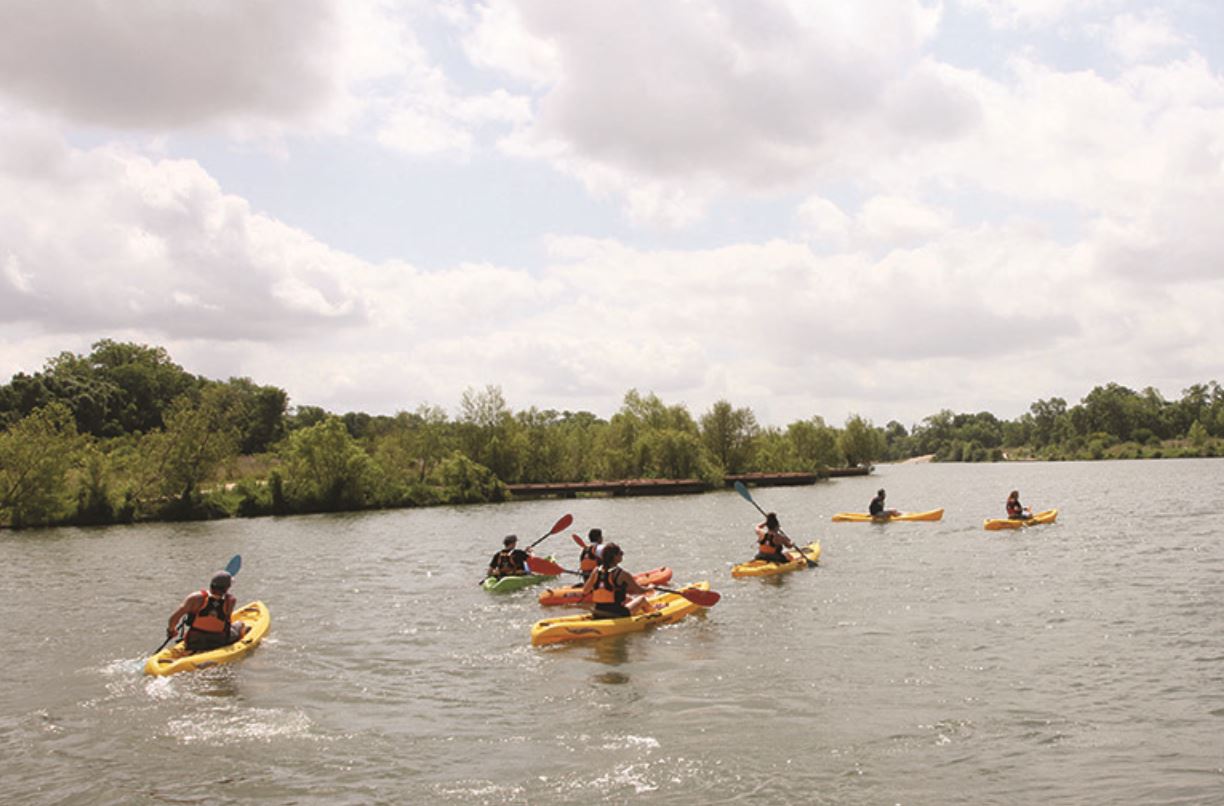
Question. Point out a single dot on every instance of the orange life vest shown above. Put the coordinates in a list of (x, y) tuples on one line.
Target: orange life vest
[(609, 589), (767, 546), (587, 561), (213, 615)]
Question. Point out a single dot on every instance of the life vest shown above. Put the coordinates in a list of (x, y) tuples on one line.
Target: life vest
[(505, 563), (609, 589), (214, 615), (768, 547), (1014, 508), (588, 561)]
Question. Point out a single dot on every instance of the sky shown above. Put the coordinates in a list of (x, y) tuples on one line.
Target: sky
[(885, 208)]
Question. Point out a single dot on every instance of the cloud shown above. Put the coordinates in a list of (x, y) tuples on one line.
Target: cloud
[(670, 106), (1032, 13), (150, 64), (106, 238), (1139, 37)]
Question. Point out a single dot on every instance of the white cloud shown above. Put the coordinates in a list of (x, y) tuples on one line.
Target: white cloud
[(1015, 232), (105, 237), (1139, 37), (669, 106), (894, 220), (1033, 13), (822, 220)]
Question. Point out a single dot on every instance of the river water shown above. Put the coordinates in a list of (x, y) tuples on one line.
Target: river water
[(921, 663)]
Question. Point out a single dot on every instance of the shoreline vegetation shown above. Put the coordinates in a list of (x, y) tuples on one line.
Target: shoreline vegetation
[(124, 434)]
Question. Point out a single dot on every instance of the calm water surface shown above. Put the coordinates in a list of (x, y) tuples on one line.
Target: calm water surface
[(922, 663)]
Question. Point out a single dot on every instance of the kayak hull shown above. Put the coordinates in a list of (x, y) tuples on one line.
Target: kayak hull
[(514, 583), (998, 524), (176, 658), (668, 609), (863, 517), (571, 595), (761, 568)]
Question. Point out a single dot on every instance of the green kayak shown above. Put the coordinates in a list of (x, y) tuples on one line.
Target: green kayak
[(514, 583)]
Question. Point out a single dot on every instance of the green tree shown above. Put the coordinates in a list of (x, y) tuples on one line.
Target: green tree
[(466, 482), (1197, 434), (35, 456), (94, 505), (860, 442), (487, 432), (199, 438), (263, 411), (728, 434), (326, 470), (814, 445)]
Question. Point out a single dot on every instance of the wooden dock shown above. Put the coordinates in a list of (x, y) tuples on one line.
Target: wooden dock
[(573, 489), (632, 487)]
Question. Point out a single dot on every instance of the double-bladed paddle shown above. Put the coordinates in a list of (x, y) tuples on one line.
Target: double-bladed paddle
[(697, 597), (747, 496), (562, 524), (232, 567)]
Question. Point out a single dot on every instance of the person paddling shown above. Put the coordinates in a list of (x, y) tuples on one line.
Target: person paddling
[(771, 541), (876, 508), (1015, 510), (208, 614), (510, 561), (588, 560), (613, 590)]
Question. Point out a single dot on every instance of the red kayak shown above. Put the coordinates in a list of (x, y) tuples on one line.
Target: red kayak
[(572, 595)]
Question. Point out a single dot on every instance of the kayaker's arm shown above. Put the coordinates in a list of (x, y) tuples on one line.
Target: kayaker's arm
[(632, 587), (588, 585), (188, 606)]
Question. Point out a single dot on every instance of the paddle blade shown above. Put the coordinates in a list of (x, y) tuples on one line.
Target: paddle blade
[(743, 491), (579, 541), (701, 598), (562, 524), (548, 568), (234, 565)]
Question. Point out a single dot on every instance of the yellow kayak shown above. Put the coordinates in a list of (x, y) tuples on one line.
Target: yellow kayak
[(176, 658), (668, 608), (761, 568), (995, 524), (863, 517)]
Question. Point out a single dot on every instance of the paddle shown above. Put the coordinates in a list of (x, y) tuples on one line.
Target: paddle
[(562, 524), (231, 568), (697, 597), (747, 496)]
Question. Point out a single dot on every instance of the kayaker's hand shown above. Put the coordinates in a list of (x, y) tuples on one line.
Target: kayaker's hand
[(171, 632)]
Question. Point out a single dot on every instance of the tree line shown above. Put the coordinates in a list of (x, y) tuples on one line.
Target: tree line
[(125, 434)]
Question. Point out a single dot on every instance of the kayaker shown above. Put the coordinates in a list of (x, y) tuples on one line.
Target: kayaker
[(1015, 510), (588, 561), (771, 541), (510, 561), (613, 590), (876, 507), (208, 615)]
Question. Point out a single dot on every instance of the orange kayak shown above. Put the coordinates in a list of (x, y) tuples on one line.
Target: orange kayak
[(572, 595)]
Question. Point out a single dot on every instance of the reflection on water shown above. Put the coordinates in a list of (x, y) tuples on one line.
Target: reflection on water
[(613, 650), (922, 663)]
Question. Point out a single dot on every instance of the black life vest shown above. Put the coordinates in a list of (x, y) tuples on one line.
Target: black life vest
[(505, 562)]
